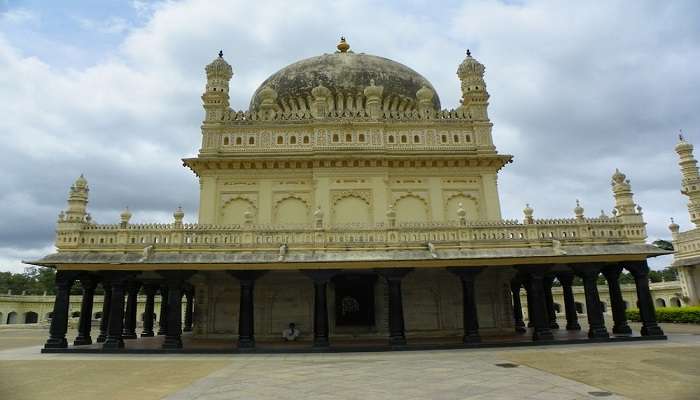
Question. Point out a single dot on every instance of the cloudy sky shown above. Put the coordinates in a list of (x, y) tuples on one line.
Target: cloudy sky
[(111, 89)]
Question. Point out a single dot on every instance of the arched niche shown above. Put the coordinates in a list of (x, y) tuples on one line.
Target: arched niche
[(469, 204), (411, 208), (291, 210), (31, 317), (233, 211), (351, 209)]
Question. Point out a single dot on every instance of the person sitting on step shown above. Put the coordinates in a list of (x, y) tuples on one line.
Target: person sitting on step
[(291, 333)]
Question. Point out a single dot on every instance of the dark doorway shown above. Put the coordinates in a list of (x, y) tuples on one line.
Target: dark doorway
[(354, 300), (31, 317)]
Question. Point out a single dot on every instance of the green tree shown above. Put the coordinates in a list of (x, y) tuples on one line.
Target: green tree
[(669, 274), (34, 280)]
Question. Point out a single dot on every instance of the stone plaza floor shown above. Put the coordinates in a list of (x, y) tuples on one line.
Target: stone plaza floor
[(634, 370)]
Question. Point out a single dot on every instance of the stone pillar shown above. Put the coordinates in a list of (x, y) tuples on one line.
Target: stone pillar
[(106, 301), (515, 284), (175, 280), (132, 290), (88, 284), (150, 291), (566, 279), (397, 329), (189, 307), (612, 275), (596, 324), (535, 291), (530, 321), (647, 312), (59, 320), (116, 313), (246, 315), (470, 319), (163, 320), (320, 279), (547, 283)]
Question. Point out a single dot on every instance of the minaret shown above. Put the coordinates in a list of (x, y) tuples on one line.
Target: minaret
[(77, 201), (690, 182), (475, 98), (627, 210), (215, 97)]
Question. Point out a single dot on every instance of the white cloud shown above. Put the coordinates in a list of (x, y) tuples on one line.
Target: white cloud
[(577, 90), (112, 25), (11, 258), (18, 16)]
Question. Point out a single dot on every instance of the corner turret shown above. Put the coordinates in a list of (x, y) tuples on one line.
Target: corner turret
[(690, 179), (77, 201), (625, 208), (475, 98), (215, 97)]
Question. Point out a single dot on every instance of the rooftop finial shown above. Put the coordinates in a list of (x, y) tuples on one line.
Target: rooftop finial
[(469, 53), (680, 135), (343, 46), (221, 53)]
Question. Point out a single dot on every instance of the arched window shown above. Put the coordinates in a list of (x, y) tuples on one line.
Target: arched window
[(251, 140), (75, 314), (280, 140), (660, 303), (416, 139), (336, 138), (404, 139), (293, 140), (675, 302), (557, 308), (225, 140), (444, 138), (306, 140), (391, 139), (239, 140), (361, 137), (468, 138), (348, 137), (579, 307)]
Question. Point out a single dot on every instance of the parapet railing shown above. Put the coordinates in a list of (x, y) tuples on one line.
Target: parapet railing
[(535, 233), (687, 244)]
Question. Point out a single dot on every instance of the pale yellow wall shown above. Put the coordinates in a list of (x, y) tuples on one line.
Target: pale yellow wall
[(432, 304), (347, 195), (43, 305)]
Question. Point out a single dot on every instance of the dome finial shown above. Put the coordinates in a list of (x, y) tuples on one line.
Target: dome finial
[(221, 54), (469, 53), (343, 46)]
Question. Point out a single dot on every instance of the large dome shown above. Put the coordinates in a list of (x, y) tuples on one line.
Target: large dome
[(348, 74)]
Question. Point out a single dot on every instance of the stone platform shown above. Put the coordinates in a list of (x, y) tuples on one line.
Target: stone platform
[(152, 345)]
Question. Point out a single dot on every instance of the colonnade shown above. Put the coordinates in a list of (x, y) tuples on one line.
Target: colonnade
[(119, 317), (537, 280), (119, 308)]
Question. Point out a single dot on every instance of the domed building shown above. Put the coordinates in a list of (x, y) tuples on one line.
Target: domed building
[(345, 200)]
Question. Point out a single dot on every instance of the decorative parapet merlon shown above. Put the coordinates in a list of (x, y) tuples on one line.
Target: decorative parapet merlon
[(358, 115), (401, 235)]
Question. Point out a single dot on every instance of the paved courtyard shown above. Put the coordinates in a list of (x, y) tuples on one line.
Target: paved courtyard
[(638, 370)]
